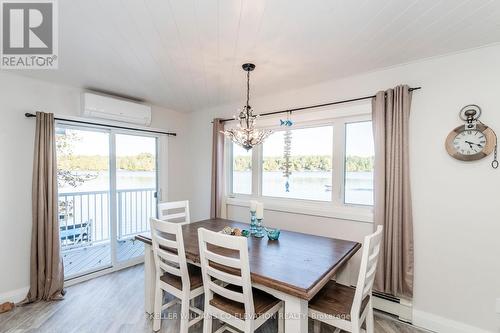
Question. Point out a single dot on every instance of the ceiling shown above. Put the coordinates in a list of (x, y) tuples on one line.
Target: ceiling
[(187, 54)]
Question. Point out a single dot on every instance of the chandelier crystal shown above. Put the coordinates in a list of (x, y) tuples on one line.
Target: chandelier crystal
[(245, 134)]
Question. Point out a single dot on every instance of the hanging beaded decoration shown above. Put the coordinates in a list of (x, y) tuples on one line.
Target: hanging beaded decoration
[(287, 164)]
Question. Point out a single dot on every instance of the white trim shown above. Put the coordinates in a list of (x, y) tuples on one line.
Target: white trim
[(310, 208), (443, 325), (14, 296), (133, 262)]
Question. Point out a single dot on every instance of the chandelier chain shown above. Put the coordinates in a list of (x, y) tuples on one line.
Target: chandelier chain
[(248, 88)]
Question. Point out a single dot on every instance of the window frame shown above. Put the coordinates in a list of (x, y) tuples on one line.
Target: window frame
[(336, 207)]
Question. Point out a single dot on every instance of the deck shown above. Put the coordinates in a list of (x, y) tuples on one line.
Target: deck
[(94, 257)]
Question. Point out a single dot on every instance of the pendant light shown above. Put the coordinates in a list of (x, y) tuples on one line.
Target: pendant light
[(245, 134)]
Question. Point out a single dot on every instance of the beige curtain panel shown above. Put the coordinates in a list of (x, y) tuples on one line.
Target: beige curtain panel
[(217, 169), (47, 275), (392, 197)]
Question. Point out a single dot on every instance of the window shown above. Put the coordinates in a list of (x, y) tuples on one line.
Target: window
[(310, 164), (331, 165), (242, 170), (358, 174)]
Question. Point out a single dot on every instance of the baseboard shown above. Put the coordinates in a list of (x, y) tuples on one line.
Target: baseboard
[(443, 325), (395, 306), (14, 296)]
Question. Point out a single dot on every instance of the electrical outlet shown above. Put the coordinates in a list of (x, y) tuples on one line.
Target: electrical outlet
[(498, 305)]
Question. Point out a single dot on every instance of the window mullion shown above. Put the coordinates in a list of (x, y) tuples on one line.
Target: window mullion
[(338, 161), (257, 171)]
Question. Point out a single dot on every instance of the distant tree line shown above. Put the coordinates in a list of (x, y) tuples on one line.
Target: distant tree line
[(305, 163), (140, 162)]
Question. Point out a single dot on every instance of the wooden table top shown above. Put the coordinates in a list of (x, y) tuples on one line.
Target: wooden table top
[(296, 264)]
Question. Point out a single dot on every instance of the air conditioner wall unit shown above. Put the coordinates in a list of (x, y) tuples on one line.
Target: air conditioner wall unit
[(111, 108)]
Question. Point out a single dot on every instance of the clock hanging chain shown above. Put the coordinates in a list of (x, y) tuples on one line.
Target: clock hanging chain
[(494, 164)]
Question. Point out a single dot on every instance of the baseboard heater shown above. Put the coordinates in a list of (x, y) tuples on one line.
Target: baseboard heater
[(393, 305)]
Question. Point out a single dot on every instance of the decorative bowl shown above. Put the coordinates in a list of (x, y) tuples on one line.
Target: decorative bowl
[(273, 234)]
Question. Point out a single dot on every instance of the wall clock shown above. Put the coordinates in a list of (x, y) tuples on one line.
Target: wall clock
[(474, 140)]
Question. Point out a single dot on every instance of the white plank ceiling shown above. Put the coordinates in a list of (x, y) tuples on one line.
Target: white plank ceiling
[(187, 54)]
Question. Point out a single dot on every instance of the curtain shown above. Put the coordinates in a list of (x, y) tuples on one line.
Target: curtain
[(216, 204), (47, 273), (392, 196)]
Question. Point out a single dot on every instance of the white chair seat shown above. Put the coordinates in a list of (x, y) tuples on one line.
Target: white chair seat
[(263, 302)]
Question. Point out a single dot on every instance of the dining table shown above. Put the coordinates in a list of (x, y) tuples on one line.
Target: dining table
[(293, 268)]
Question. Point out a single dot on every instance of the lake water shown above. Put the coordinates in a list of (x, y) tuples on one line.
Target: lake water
[(309, 186), (125, 180)]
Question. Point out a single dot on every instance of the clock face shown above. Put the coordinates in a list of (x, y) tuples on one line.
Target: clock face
[(469, 142)]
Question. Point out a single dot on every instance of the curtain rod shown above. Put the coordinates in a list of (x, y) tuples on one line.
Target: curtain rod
[(31, 115), (317, 105)]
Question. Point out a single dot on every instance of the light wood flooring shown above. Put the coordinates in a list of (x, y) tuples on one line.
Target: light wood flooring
[(114, 303)]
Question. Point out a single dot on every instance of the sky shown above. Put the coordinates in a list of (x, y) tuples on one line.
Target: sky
[(97, 143), (319, 141)]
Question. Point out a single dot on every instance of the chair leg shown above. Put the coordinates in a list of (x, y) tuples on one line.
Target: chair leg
[(207, 324), (370, 321), (184, 315), (157, 308), (317, 326)]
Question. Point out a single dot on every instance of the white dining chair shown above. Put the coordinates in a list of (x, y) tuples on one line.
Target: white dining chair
[(182, 217), (229, 296), (344, 307), (173, 274)]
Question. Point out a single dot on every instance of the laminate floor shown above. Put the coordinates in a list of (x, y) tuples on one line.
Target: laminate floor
[(114, 303)]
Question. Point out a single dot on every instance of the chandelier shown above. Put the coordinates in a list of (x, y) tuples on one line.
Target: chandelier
[(245, 134)]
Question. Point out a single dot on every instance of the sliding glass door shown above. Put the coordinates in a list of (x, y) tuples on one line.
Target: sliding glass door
[(136, 184), (107, 192)]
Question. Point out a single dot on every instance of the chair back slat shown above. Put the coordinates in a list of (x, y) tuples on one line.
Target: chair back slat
[(165, 215), (224, 292), (226, 277), (165, 260), (368, 267), (222, 260), (210, 262), (168, 256), (166, 243), (170, 269)]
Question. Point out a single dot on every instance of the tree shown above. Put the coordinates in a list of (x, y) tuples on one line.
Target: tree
[(65, 176)]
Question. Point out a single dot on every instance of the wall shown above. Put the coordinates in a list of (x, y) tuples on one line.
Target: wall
[(17, 96), (456, 217)]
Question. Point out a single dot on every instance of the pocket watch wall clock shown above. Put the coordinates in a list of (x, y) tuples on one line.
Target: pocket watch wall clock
[(474, 140)]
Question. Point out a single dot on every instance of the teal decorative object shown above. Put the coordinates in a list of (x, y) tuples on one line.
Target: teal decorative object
[(245, 233), (273, 234), (259, 229), (253, 222)]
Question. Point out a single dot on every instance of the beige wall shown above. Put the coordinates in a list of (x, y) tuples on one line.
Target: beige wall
[(17, 96), (456, 216)]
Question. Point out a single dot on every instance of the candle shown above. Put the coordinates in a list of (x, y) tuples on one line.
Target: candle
[(260, 210), (253, 205)]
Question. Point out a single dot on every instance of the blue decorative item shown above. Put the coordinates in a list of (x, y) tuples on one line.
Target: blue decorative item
[(253, 223), (286, 123), (273, 234), (259, 229), (287, 147)]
